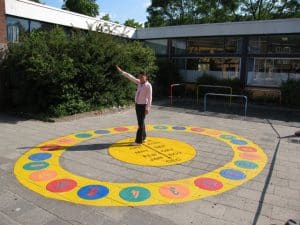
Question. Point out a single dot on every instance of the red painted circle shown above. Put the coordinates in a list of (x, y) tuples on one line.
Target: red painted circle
[(246, 149), (50, 147), (62, 185), (121, 129), (197, 129), (208, 184), (297, 133)]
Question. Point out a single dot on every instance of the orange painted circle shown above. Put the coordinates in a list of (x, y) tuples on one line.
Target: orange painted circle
[(43, 175), (66, 140), (174, 191), (250, 156)]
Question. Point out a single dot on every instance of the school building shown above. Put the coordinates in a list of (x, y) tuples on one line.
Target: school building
[(260, 53)]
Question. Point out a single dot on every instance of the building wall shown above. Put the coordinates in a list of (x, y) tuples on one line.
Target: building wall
[(2, 24), (34, 11)]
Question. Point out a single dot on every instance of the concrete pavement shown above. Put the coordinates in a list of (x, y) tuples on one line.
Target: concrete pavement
[(272, 197)]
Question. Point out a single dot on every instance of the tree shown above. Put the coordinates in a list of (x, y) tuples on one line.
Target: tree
[(38, 1), (86, 7), (133, 23), (270, 9), (106, 17), (176, 12)]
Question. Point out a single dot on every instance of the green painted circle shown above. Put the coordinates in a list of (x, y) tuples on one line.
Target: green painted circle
[(35, 165), (246, 164), (83, 135), (135, 194)]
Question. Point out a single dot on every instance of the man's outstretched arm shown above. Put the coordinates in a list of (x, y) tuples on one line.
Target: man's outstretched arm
[(128, 75)]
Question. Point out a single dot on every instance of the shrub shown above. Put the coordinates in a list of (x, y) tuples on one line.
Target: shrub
[(290, 92), (236, 84), (60, 74), (167, 74)]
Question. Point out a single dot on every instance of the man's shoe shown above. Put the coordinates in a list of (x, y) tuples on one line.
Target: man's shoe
[(135, 144)]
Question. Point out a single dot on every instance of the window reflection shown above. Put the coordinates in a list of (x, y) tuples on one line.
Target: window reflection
[(272, 71), (179, 46), (158, 45), (277, 44), (219, 67)]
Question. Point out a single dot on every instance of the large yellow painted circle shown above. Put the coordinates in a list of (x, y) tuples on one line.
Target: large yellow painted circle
[(155, 151), (39, 169)]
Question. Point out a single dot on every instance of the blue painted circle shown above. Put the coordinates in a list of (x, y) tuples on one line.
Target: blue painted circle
[(246, 164), (92, 192), (83, 135), (233, 174), (227, 137), (102, 132), (179, 128), (160, 127), (238, 142), (135, 194), (40, 156), (35, 165)]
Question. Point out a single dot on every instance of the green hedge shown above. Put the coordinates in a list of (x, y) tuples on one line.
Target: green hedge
[(291, 93), (167, 74), (235, 84), (59, 74)]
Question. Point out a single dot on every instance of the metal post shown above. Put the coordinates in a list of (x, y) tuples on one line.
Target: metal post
[(246, 105)]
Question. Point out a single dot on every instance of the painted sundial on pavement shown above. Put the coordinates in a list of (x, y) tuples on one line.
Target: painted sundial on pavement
[(39, 169)]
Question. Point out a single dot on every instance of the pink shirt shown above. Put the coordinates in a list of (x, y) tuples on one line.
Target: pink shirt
[(143, 93)]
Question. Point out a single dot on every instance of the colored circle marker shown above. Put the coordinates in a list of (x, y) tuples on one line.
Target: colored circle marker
[(35, 165), (179, 128), (250, 156), (197, 129), (155, 152), (246, 164), (41, 171), (233, 174), (40, 156), (238, 142), (102, 132), (208, 184), (43, 175), (66, 140), (62, 185), (174, 191), (121, 129), (50, 147), (92, 192), (83, 135), (135, 194), (227, 137), (160, 127), (246, 149)]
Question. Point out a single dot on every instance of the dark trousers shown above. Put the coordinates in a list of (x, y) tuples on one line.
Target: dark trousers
[(140, 115)]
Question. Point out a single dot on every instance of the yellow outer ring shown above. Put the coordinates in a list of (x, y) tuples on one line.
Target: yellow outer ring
[(113, 198)]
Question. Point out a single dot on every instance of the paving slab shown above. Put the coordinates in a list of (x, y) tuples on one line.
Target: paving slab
[(271, 197)]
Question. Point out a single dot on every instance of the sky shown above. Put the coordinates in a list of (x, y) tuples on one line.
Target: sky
[(119, 10)]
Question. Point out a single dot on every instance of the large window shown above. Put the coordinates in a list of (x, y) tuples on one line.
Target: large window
[(179, 46), (277, 44), (214, 45), (15, 26), (219, 67), (160, 46), (205, 45), (272, 71)]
